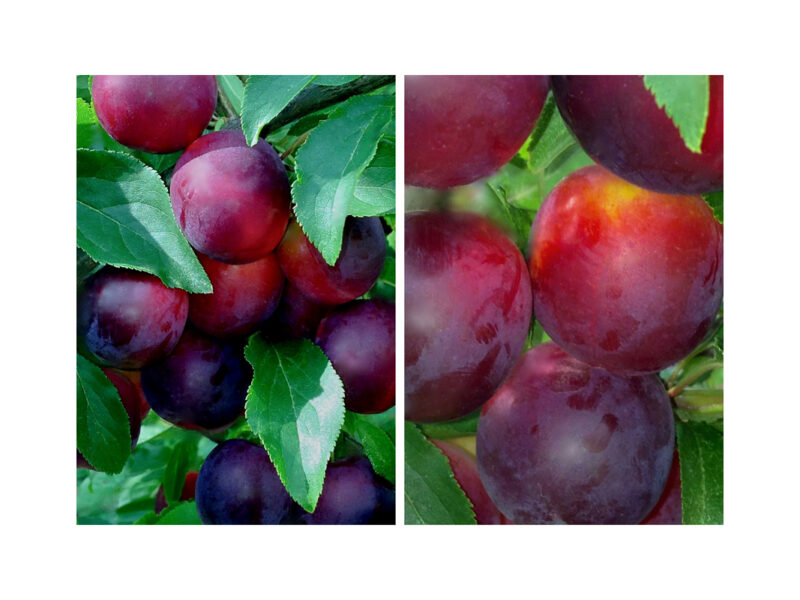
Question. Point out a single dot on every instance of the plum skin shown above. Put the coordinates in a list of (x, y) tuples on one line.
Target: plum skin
[(231, 201), (351, 495), (131, 401), (356, 270), (618, 123), (244, 296), (154, 113), (359, 338), (465, 471), (202, 385), (461, 128), (669, 509), (238, 485), (624, 278), (296, 316), (563, 442), (468, 310), (127, 319)]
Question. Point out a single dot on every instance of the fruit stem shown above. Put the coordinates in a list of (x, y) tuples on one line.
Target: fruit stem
[(704, 401), (693, 376), (295, 144)]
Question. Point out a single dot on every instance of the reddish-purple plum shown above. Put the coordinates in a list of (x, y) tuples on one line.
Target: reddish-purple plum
[(201, 385), (238, 485), (563, 442), (618, 123), (187, 492), (669, 509), (355, 271), (350, 495), (461, 128), (468, 309), (129, 395), (232, 201), (296, 317), (358, 338), (154, 113), (127, 319), (465, 471), (624, 278), (244, 296)]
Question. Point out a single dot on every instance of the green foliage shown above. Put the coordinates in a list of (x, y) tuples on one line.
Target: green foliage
[(714, 200), (330, 164), (374, 193), (685, 100), (104, 436), (125, 219), (178, 465), (432, 495), (700, 450), (295, 405), (233, 88), (442, 431), (378, 445), (183, 513), (265, 96), (330, 80)]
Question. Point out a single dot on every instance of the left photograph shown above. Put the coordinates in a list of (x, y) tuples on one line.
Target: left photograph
[(235, 299)]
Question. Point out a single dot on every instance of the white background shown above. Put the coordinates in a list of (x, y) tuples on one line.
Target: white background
[(45, 553)]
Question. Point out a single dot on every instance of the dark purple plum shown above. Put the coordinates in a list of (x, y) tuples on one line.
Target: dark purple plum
[(351, 495), (618, 123), (129, 394), (296, 317), (358, 338), (187, 492), (231, 201), (624, 278), (669, 509), (127, 319), (465, 472), (461, 128), (201, 385), (154, 113), (467, 313), (562, 442), (244, 296), (238, 485), (355, 271)]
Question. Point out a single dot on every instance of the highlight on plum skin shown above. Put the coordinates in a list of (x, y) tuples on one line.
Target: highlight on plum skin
[(154, 113), (127, 319), (562, 442), (359, 339), (131, 401), (231, 201), (465, 471), (202, 385), (238, 485), (618, 123), (244, 296), (624, 278), (356, 270), (460, 128), (467, 313)]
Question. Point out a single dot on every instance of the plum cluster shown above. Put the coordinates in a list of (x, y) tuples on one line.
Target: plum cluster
[(184, 353), (623, 271)]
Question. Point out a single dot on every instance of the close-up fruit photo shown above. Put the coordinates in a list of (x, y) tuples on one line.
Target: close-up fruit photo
[(563, 299), (236, 299)]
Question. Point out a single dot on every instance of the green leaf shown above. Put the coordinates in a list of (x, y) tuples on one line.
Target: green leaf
[(233, 88), (375, 190), (432, 495), (104, 434), (335, 79), (442, 431), (265, 96), (329, 165), (685, 100), (83, 89), (377, 444), (714, 200), (700, 451), (182, 513), (295, 405), (178, 466), (125, 219), (550, 137)]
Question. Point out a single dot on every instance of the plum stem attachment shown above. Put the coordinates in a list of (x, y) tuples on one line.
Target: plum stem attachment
[(693, 376), (705, 405)]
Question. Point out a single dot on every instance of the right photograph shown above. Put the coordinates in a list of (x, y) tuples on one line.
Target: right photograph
[(563, 299)]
